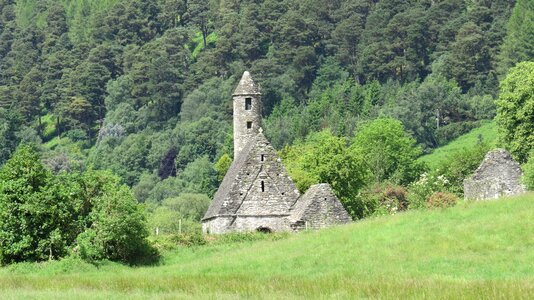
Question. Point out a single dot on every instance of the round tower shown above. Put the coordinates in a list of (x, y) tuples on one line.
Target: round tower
[(247, 112)]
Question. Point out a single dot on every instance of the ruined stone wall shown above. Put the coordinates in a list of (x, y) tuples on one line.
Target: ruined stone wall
[(498, 175)]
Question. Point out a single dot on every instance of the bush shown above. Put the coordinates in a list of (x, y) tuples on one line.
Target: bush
[(428, 184), (528, 169), (389, 152), (441, 200), (460, 165), (118, 230), (515, 115), (44, 216), (384, 199)]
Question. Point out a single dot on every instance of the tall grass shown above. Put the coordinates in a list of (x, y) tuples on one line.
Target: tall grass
[(472, 251)]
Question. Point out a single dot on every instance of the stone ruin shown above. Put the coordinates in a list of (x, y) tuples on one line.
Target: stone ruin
[(498, 175), (257, 193)]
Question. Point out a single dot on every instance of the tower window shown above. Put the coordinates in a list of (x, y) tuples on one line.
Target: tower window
[(248, 103), (263, 157), (249, 125), (262, 186)]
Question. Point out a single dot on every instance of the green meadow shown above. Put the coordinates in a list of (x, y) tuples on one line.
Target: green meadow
[(476, 250)]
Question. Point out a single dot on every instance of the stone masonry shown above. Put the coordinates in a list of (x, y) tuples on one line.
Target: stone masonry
[(498, 175), (318, 208), (257, 193), (247, 112)]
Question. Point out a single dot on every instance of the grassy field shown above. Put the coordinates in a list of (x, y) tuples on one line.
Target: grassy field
[(486, 132), (472, 251)]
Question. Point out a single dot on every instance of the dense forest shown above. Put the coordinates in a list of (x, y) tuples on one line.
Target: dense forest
[(354, 91)]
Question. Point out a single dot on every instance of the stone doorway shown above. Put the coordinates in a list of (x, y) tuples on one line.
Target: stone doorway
[(264, 229)]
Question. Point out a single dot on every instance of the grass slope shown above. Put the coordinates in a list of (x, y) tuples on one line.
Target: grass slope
[(472, 251), (486, 132)]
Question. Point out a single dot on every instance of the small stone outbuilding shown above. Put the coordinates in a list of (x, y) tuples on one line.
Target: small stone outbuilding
[(257, 193), (498, 175), (317, 208)]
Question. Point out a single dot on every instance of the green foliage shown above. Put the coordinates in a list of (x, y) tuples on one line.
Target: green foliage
[(515, 110), (23, 188), (43, 215), (517, 45), (388, 151), (10, 123), (325, 158), (528, 169), (222, 166), (118, 230), (428, 184), (143, 87), (485, 134), (190, 206), (449, 132), (424, 108), (460, 165)]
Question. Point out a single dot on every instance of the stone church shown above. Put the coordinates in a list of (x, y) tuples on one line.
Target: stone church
[(257, 193)]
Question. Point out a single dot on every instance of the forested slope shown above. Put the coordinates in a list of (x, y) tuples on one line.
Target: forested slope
[(143, 87)]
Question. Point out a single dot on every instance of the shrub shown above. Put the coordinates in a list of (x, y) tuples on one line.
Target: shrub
[(43, 216), (389, 152), (384, 199), (515, 115), (441, 200), (421, 190), (36, 212), (528, 169), (460, 165), (118, 230)]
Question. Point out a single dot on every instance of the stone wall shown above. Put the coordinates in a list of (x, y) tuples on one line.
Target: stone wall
[(217, 225), (261, 223), (498, 175)]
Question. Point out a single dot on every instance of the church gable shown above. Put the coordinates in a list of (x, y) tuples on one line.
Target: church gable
[(256, 184)]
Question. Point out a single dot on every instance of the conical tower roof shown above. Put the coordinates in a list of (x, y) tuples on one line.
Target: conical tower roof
[(246, 86)]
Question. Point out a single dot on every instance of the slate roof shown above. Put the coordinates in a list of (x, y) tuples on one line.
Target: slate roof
[(317, 191), (217, 208), (246, 86), (228, 199)]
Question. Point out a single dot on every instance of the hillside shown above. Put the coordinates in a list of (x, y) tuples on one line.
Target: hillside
[(486, 133), (474, 250)]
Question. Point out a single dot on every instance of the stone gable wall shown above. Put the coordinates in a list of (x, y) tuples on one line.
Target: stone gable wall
[(498, 175)]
